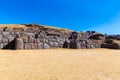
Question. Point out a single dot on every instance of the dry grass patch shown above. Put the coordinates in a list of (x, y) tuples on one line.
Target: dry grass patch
[(60, 64), (11, 26)]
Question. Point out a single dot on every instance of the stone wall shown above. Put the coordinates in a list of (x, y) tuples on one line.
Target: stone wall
[(32, 39), (49, 38), (7, 40)]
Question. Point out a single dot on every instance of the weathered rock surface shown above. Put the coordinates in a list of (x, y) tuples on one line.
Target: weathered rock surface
[(41, 37), (111, 46), (19, 43)]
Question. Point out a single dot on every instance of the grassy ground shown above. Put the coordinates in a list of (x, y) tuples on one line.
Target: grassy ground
[(60, 64), (11, 26)]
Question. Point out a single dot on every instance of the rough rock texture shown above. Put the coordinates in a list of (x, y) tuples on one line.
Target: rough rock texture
[(19, 43), (34, 36), (111, 44)]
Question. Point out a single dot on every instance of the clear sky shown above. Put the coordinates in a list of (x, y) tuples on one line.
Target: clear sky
[(79, 15)]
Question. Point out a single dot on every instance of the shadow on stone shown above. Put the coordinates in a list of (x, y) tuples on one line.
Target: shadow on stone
[(10, 45), (66, 44)]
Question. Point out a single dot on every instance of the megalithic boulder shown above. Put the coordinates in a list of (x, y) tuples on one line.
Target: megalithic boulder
[(19, 43), (111, 46)]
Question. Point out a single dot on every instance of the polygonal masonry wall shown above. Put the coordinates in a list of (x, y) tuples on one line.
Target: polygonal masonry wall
[(50, 38)]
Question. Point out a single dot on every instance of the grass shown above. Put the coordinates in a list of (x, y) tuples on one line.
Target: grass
[(11, 26), (60, 64)]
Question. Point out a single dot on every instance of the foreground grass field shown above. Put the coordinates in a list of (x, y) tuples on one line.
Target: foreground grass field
[(60, 64)]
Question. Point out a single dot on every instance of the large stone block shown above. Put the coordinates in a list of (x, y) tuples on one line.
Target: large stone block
[(47, 37), (56, 44), (27, 46), (40, 45), (61, 42), (46, 46), (5, 40), (19, 43), (111, 46), (88, 46), (11, 38), (37, 40), (12, 33), (34, 46), (78, 45), (83, 46), (30, 34), (51, 44), (1, 38), (41, 35), (97, 45), (17, 34), (92, 46), (41, 40), (5, 34), (88, 42), (25, 39), (31, 39), (58, 39), (47, 41), (1, 46)]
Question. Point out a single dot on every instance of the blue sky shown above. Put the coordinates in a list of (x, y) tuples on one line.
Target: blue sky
[(79, 15)]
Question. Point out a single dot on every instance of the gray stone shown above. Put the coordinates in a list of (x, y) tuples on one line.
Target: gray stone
[(30, 34), (88, 46), (59, 40), (1, 38), (5, 40), (51, 44), (17, 35), (10, 38), (6, 36), (5, 33), (37, 40), (1, 46), (83, 46), (78, 45), (30, 39), (46, 41), (41, 35), (97, 45), (43, 40), (12, 33), (27, 46), (4, 44), (34, 46), (88, 42), (73, 44), (56, 44), (92, 46), (46, 46), (111, 46), (19, 43), (25, 39), (40, 46)]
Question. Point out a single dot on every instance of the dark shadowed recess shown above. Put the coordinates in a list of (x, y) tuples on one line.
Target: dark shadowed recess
[(10, 45)]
